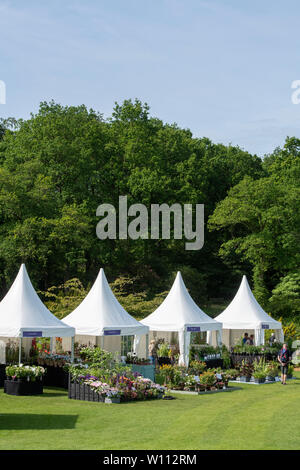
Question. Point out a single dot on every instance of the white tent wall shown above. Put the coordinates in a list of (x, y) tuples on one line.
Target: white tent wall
[(2, 352), (215, 338), (170, 337), (108, 343), (184, 347), (232, 337), (141, 349)]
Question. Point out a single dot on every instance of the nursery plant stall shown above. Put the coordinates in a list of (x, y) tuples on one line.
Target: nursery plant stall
[(244, 314), (179, 313), (101, 317), (101, 377), (23, 315)]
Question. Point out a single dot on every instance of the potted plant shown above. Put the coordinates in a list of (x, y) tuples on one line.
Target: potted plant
[(113, 396), (259, 376), (197, 367), (260, 371), (190, 383), (24, 380), (208, 379), (272, 371), (245, 371), (163, 354)]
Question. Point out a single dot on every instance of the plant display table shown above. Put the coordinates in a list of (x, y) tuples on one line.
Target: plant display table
[(238, 358), (21, 387)]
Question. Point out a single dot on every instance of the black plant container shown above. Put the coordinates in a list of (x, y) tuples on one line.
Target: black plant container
[(2, 374), (163, 360), (83, 392), (21, 387)]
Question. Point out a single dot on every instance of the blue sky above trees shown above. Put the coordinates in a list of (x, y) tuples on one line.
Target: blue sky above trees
[(221, 68)]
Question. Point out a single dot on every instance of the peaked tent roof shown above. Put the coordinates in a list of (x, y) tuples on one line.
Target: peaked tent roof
[(178, 311), (100, 311), (22, 311), (245, 312)]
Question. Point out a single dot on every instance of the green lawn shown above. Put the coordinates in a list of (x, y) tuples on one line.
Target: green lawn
[(251, 417)]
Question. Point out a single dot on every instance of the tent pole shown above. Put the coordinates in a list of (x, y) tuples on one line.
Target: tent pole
[(147, 347), (72, 349), (20, 349)]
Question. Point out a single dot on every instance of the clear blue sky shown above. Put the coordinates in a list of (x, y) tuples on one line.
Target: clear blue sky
[(221, 68)]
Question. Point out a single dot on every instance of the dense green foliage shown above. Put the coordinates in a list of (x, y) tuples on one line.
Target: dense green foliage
[(59, 165)]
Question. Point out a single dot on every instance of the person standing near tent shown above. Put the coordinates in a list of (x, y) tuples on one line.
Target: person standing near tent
[(245, 339), (284, 357), (152, 351)]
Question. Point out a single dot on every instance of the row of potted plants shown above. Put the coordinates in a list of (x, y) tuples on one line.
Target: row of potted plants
[(195, 378), (258, 371), (114, 388), (24, 380), (24, 372), (46, 358), (101, 377)]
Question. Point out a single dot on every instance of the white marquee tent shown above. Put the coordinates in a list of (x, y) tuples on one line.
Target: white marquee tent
[(244, 314), (178, 312), (101, 315), (23, 314)]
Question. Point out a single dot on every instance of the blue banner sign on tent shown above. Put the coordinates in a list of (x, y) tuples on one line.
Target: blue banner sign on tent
[(265, 327), (32, 334), (193, 328), (112, 332)]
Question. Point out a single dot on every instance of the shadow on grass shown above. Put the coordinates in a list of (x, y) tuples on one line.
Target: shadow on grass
[(36, 421)]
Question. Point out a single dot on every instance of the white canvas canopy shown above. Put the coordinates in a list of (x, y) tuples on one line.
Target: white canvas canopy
[(245, 313), (179, 312), (23, 314), (100, 314)]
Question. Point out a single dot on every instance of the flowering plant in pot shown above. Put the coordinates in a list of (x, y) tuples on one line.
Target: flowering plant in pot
[(208, 379), (24, 380), (190, 383), (197, 367), (113, 395), (25, 373), (246, 370)]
